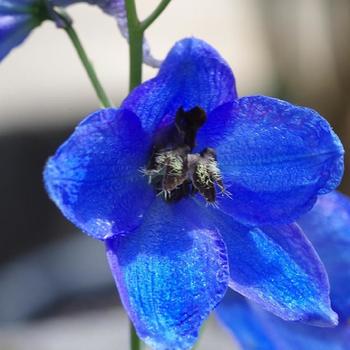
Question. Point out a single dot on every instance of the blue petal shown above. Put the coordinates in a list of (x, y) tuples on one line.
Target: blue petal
[(238, 317), (14, 29), (327, 225), (256, 329), (17, 20), (170, 272), (95, 178), (109, 6), (193, 74), (276, 267), (275, 158), (10, 7), (64, 3)]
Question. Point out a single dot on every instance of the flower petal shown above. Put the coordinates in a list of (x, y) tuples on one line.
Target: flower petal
[(170, 272), (95, 178), (275, 158), (277, 267), (327, 225), (256, 329), (238, 317), (11, 7), (109, 6), (193, 74), (14, 29)]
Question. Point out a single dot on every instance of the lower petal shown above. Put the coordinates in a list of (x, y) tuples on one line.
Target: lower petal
[(327, 226), (257, 329), (278, 268), (171, 273), (238, 317)]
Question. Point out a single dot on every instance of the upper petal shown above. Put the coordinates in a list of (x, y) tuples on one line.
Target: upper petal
[(256, 329), (327, 225), (193, 74), (275, 158), (170, 272), (95, 178), (277, 267)]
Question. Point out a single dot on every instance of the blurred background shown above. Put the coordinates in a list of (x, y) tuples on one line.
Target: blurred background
[(55, 288)]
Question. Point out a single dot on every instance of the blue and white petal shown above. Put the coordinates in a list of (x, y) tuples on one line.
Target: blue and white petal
[(277, 267), (171, 272), (275, 158), (95, 177), (193, 74)]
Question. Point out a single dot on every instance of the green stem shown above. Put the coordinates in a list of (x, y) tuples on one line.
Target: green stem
[(101, 94), (135, 342), (136, 30), (155, 14), (135, 45)]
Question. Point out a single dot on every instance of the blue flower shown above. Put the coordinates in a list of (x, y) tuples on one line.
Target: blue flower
[(17, 19), (328, 227), (193, 189)]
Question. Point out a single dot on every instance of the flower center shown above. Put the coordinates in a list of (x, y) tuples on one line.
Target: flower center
[(173, 170)]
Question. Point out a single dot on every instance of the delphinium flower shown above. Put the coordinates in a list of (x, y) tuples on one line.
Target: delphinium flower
[(193, 189), (328, 227)]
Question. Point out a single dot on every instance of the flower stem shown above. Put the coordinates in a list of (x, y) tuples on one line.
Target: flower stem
[(136, 30), (100, 92), (135, 342), (155, 14), (135, 45)]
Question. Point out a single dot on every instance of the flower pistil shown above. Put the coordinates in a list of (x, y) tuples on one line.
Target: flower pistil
[(173, 170)]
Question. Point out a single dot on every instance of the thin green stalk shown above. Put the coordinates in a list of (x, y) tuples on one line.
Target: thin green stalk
[(155, 14), (135, 45), (135, 342), (136, 30), (100, 92)]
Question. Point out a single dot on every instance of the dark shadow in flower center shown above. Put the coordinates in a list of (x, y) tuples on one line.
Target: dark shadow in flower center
[(173, 170)]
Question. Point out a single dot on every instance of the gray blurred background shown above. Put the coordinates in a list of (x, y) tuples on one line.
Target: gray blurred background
[(55, 288)]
